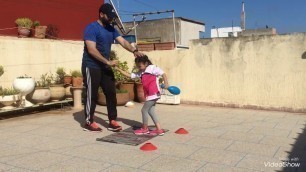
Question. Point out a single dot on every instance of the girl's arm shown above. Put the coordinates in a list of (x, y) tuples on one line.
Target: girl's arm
[(165, 80), (123, 72)]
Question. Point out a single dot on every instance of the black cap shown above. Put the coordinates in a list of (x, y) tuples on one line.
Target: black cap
[(108, 9)]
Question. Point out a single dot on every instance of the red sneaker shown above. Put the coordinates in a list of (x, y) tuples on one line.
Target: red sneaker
[(157, 132), (114, 126), (92, 127), (141, 131)]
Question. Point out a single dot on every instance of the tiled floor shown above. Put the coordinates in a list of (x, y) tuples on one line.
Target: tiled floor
[(219, 139)]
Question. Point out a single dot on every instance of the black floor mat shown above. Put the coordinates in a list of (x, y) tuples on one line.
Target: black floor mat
[(127, 137)]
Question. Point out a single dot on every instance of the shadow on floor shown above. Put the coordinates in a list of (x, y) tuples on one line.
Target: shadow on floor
[(297, 155), (125, 121), (80, 118)]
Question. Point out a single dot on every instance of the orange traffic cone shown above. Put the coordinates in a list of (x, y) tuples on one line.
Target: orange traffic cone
[(148, 147), (181, 131)]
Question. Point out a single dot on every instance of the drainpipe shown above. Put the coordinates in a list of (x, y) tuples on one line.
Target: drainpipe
[(174, 28)]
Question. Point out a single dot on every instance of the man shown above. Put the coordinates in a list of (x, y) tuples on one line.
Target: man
[(96, 66)]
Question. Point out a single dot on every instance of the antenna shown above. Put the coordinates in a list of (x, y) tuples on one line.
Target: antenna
[(243, 17), (119, 23)]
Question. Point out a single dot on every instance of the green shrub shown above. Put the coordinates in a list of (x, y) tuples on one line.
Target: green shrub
[(45, 80), (24, 22), (36, 23), (60, 74), (8, 91), (122, 65), (76, 73)]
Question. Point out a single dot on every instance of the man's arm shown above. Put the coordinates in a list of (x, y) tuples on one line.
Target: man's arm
[(91, 47), (126, 45)]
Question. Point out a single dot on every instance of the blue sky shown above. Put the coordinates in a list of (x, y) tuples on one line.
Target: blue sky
[(285, 15)]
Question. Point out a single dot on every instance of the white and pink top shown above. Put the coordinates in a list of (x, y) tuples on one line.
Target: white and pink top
[(149, 81)]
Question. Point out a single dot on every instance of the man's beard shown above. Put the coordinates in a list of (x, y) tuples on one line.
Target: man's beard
[(104, 21)]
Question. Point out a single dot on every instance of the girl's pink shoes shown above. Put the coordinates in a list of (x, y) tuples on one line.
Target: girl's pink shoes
[(157, 132), (141, 131)]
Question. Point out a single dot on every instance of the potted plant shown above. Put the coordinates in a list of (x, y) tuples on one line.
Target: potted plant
[(60, 74), (25, 84), (8, 96), (58, 91), (77, 78), (40, 31), (121, 95), (24, 27), (42, 92), (123, 82), (52, 31), (67, 79)]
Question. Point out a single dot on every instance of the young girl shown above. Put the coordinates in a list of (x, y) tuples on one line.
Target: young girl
[(148, 74)]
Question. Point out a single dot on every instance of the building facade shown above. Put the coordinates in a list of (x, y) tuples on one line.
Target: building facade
[(237, 32), (225, 32), (162, 30)]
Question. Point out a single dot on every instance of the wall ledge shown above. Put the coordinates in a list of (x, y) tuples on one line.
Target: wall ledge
[(253, 107)]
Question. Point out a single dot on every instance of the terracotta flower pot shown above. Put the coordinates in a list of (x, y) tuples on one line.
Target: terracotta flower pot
[(130, 87), (122, 99), (40, 95), (140, 93), (58, 92), (77, 81), (23, 32), (40, 32), (67, 80)]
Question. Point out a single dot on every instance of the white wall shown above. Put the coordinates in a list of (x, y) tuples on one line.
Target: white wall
[(34, 57), (263, 72), (190, 31), (224, 32)]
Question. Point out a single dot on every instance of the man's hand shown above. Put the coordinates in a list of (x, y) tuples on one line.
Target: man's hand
[(112, 63), (125, 44), (138, 54), (116, 67)]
